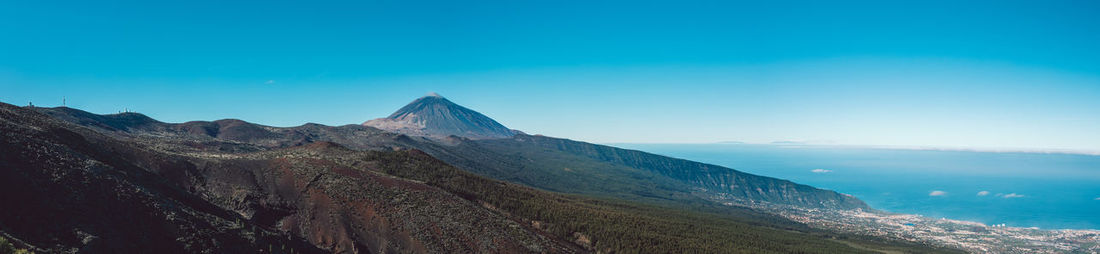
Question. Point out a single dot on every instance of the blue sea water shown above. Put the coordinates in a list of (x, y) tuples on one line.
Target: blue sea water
[(1049, 191)]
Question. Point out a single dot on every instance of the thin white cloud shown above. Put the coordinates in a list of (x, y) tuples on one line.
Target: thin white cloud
[(937, 193), (1013, 195), (983, 193), (1097, 198), (820, 171), (269, 82)]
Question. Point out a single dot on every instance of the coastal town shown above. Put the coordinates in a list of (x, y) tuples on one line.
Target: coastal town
[(966, 235)]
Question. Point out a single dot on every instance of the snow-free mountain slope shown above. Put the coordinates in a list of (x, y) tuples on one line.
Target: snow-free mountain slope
[(437, 117)]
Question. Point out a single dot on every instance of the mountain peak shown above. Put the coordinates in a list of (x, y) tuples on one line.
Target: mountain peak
[(436, 117)]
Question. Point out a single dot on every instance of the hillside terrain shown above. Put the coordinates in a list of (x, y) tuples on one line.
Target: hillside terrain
[(569, 166), (233, 186), (121, 196), (554, 164)]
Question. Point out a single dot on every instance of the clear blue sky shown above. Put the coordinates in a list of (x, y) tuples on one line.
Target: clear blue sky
[(996, 74)]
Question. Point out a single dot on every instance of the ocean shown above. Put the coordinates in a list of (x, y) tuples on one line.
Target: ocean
[(1048, 191)]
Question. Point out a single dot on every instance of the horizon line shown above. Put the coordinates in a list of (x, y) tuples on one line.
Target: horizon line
[(883, 147)]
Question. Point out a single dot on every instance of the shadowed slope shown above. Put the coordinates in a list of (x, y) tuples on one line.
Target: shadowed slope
[(65, 186), (63, 189)]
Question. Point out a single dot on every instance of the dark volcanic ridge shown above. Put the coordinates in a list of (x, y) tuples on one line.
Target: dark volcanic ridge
[(111, 185)]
